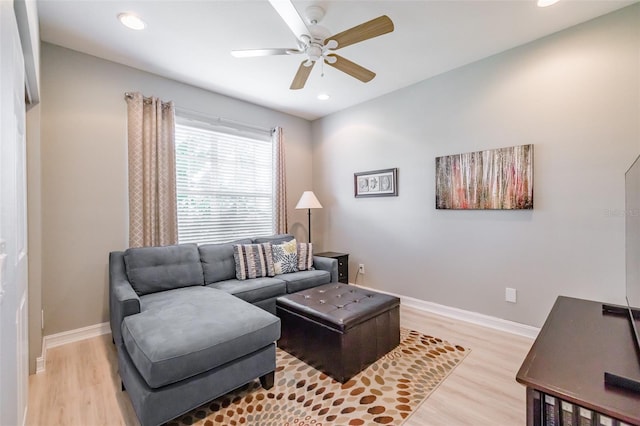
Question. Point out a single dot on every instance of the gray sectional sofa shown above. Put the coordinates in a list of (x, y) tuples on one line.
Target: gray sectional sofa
[(187, 331)]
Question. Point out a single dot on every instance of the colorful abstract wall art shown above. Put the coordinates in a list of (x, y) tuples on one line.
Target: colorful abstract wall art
[(493, 179)]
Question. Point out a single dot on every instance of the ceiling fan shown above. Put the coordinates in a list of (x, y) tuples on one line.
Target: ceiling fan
[(317, 43)]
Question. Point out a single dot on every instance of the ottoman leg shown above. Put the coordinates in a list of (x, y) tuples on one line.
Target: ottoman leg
[(267, 380)]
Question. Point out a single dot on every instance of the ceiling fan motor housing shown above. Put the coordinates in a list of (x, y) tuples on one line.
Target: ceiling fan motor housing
[(319, 33), (314, 14)]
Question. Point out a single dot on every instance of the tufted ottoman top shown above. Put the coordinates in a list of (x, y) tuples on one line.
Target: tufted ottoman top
[(339, 306)]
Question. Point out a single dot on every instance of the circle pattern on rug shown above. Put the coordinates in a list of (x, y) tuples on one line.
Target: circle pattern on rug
[(385, 393)]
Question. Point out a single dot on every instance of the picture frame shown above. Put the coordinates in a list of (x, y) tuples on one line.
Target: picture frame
[(495, 179), (376, 183)]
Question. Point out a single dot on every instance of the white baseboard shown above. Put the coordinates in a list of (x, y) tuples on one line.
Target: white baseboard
[(59, 339), (40, 361), (40, 365), (462, 315), (76, 335)]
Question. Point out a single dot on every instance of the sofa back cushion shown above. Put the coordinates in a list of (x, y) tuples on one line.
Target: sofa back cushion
[(274, 239), (153, 269), (217, 260)]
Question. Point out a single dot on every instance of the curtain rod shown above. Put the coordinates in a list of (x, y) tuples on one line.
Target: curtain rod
[(210, 118), (146, 99), (223, 121)]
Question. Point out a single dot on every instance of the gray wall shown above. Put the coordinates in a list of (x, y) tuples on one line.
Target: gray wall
[(84, 172), (575, 95)]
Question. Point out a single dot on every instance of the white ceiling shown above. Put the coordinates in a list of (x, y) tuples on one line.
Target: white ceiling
[(190, 41)]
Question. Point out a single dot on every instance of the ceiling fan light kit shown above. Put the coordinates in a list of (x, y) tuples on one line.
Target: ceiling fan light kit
[(317, 44)]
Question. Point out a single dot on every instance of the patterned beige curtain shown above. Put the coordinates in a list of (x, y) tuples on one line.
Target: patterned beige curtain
[(152, 172), (280, 182)]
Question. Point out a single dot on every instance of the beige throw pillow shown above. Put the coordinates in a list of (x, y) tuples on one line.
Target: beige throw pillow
[(305, 256)]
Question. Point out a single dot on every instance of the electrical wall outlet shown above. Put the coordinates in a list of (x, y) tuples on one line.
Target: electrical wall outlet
[(510, 295), (361, 268)]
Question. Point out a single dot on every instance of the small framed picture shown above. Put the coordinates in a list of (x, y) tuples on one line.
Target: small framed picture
[(376, 183)]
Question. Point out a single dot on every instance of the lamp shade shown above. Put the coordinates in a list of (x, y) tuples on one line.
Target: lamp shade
[(308, 201)]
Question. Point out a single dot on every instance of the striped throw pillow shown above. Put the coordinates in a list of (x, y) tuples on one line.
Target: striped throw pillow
[(305, 256), (253, 260)]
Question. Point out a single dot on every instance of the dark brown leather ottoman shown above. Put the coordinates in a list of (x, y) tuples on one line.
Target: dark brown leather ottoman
[(338, 328)]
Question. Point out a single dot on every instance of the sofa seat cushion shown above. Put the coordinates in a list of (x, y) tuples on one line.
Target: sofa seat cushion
[(203, 328), (253, 290), (153, 269), (302, 280)]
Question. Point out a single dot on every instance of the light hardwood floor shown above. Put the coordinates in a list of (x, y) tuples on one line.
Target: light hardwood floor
[(81, 384)]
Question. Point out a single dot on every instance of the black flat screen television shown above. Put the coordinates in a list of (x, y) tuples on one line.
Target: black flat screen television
[(632, 243), (632, 265)]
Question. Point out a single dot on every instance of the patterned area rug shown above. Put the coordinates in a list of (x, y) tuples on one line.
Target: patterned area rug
[(387, 392)]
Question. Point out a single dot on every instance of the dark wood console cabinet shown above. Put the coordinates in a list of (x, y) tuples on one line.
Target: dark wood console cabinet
[(564, 370), (343, 264)]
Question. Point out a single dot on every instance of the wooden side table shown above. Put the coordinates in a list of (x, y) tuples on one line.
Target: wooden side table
[(343, 264)]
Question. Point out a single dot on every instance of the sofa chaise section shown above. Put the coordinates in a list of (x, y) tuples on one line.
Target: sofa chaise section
[(207, 344), (204, 329)]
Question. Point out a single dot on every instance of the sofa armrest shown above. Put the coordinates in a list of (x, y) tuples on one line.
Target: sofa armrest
[(327, 264), (123, 300)]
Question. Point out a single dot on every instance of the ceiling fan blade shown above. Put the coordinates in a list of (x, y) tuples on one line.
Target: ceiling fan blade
[(250, 53), (301, 76), (351, 68), (374, 28), (290, 16)]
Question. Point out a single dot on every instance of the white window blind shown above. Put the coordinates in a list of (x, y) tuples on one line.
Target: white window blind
[(224, 183)]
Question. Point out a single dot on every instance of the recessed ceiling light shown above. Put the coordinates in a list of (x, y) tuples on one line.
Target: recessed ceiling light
[(323, 96), (130, 20), (545, 3)]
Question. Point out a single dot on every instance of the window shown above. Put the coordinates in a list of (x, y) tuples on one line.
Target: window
[(224, 182)]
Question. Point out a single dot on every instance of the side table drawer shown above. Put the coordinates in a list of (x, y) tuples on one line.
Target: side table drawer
[(343, 264), (343, 269)]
